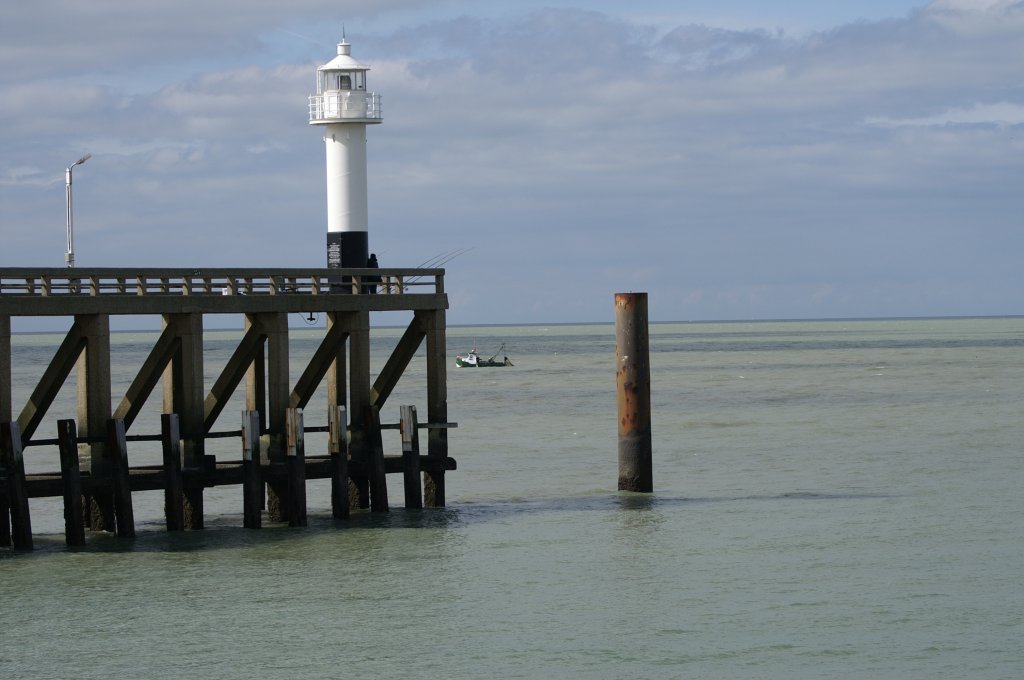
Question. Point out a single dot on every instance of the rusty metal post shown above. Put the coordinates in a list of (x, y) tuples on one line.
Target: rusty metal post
[(633, 392)]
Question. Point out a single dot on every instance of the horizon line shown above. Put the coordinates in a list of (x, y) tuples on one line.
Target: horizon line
[(612, 322)]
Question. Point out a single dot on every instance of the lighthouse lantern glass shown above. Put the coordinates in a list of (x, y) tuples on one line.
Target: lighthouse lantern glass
[(342, 80)]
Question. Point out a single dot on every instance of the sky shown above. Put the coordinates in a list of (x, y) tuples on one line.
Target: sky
[(734, 159)]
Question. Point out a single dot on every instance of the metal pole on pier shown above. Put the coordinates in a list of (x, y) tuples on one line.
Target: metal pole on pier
[(69, 256), (633, 392)]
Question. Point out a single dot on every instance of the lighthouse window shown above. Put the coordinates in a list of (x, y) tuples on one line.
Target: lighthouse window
[(344, 82)]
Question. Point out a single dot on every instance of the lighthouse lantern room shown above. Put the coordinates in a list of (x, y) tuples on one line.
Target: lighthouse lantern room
[(344, 107)]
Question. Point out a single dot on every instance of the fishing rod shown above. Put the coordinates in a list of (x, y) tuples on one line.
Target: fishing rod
[(441, 259)]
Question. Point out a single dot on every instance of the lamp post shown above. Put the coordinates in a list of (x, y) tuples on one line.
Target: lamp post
[(69, 257)]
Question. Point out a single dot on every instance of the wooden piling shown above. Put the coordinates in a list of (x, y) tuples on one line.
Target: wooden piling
[(117, 445), (5, 417), (337, 447), (296, 466), (409, 427), (17, 492), (378, 478), (633, 392), (74, 519), (5, 507), (252, 477), (174, 502), (6, 404)]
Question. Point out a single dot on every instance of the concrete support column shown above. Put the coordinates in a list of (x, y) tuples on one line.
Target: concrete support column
[(184, 394), (437, 402), (359, 399), (337, 396), (94, 410), (268, 391)]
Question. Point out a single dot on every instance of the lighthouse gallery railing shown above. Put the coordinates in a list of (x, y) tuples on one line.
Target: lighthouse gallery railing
[(345, 105)]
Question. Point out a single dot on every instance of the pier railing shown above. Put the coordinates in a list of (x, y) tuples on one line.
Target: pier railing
[(63, 291), (116, 281)]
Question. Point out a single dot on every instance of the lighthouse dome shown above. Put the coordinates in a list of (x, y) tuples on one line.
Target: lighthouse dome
[(344, 60)]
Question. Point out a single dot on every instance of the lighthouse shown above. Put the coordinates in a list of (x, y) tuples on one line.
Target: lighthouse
[(343, 108)]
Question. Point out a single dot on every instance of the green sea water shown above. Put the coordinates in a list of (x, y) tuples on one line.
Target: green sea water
[(832, 499)]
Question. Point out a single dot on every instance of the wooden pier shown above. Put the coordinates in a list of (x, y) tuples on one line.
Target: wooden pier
[(95, 476)]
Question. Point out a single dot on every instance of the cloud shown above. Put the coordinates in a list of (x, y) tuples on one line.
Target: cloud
[(972, 5), (1000, 113), (58, 38), (978, 18), (990, 7), (732, 173), (700, 47)]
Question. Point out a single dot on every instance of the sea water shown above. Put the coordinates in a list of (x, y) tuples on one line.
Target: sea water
[(832, 499)]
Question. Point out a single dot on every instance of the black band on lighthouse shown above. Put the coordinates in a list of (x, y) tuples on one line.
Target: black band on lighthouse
[(347, 249)]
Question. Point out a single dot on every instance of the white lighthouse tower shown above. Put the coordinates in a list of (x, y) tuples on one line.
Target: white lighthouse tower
[(343, 107)]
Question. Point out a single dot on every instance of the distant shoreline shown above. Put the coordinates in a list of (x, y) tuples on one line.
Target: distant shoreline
[(562, 324)]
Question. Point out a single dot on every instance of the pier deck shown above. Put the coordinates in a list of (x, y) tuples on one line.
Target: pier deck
[(275, 399)]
